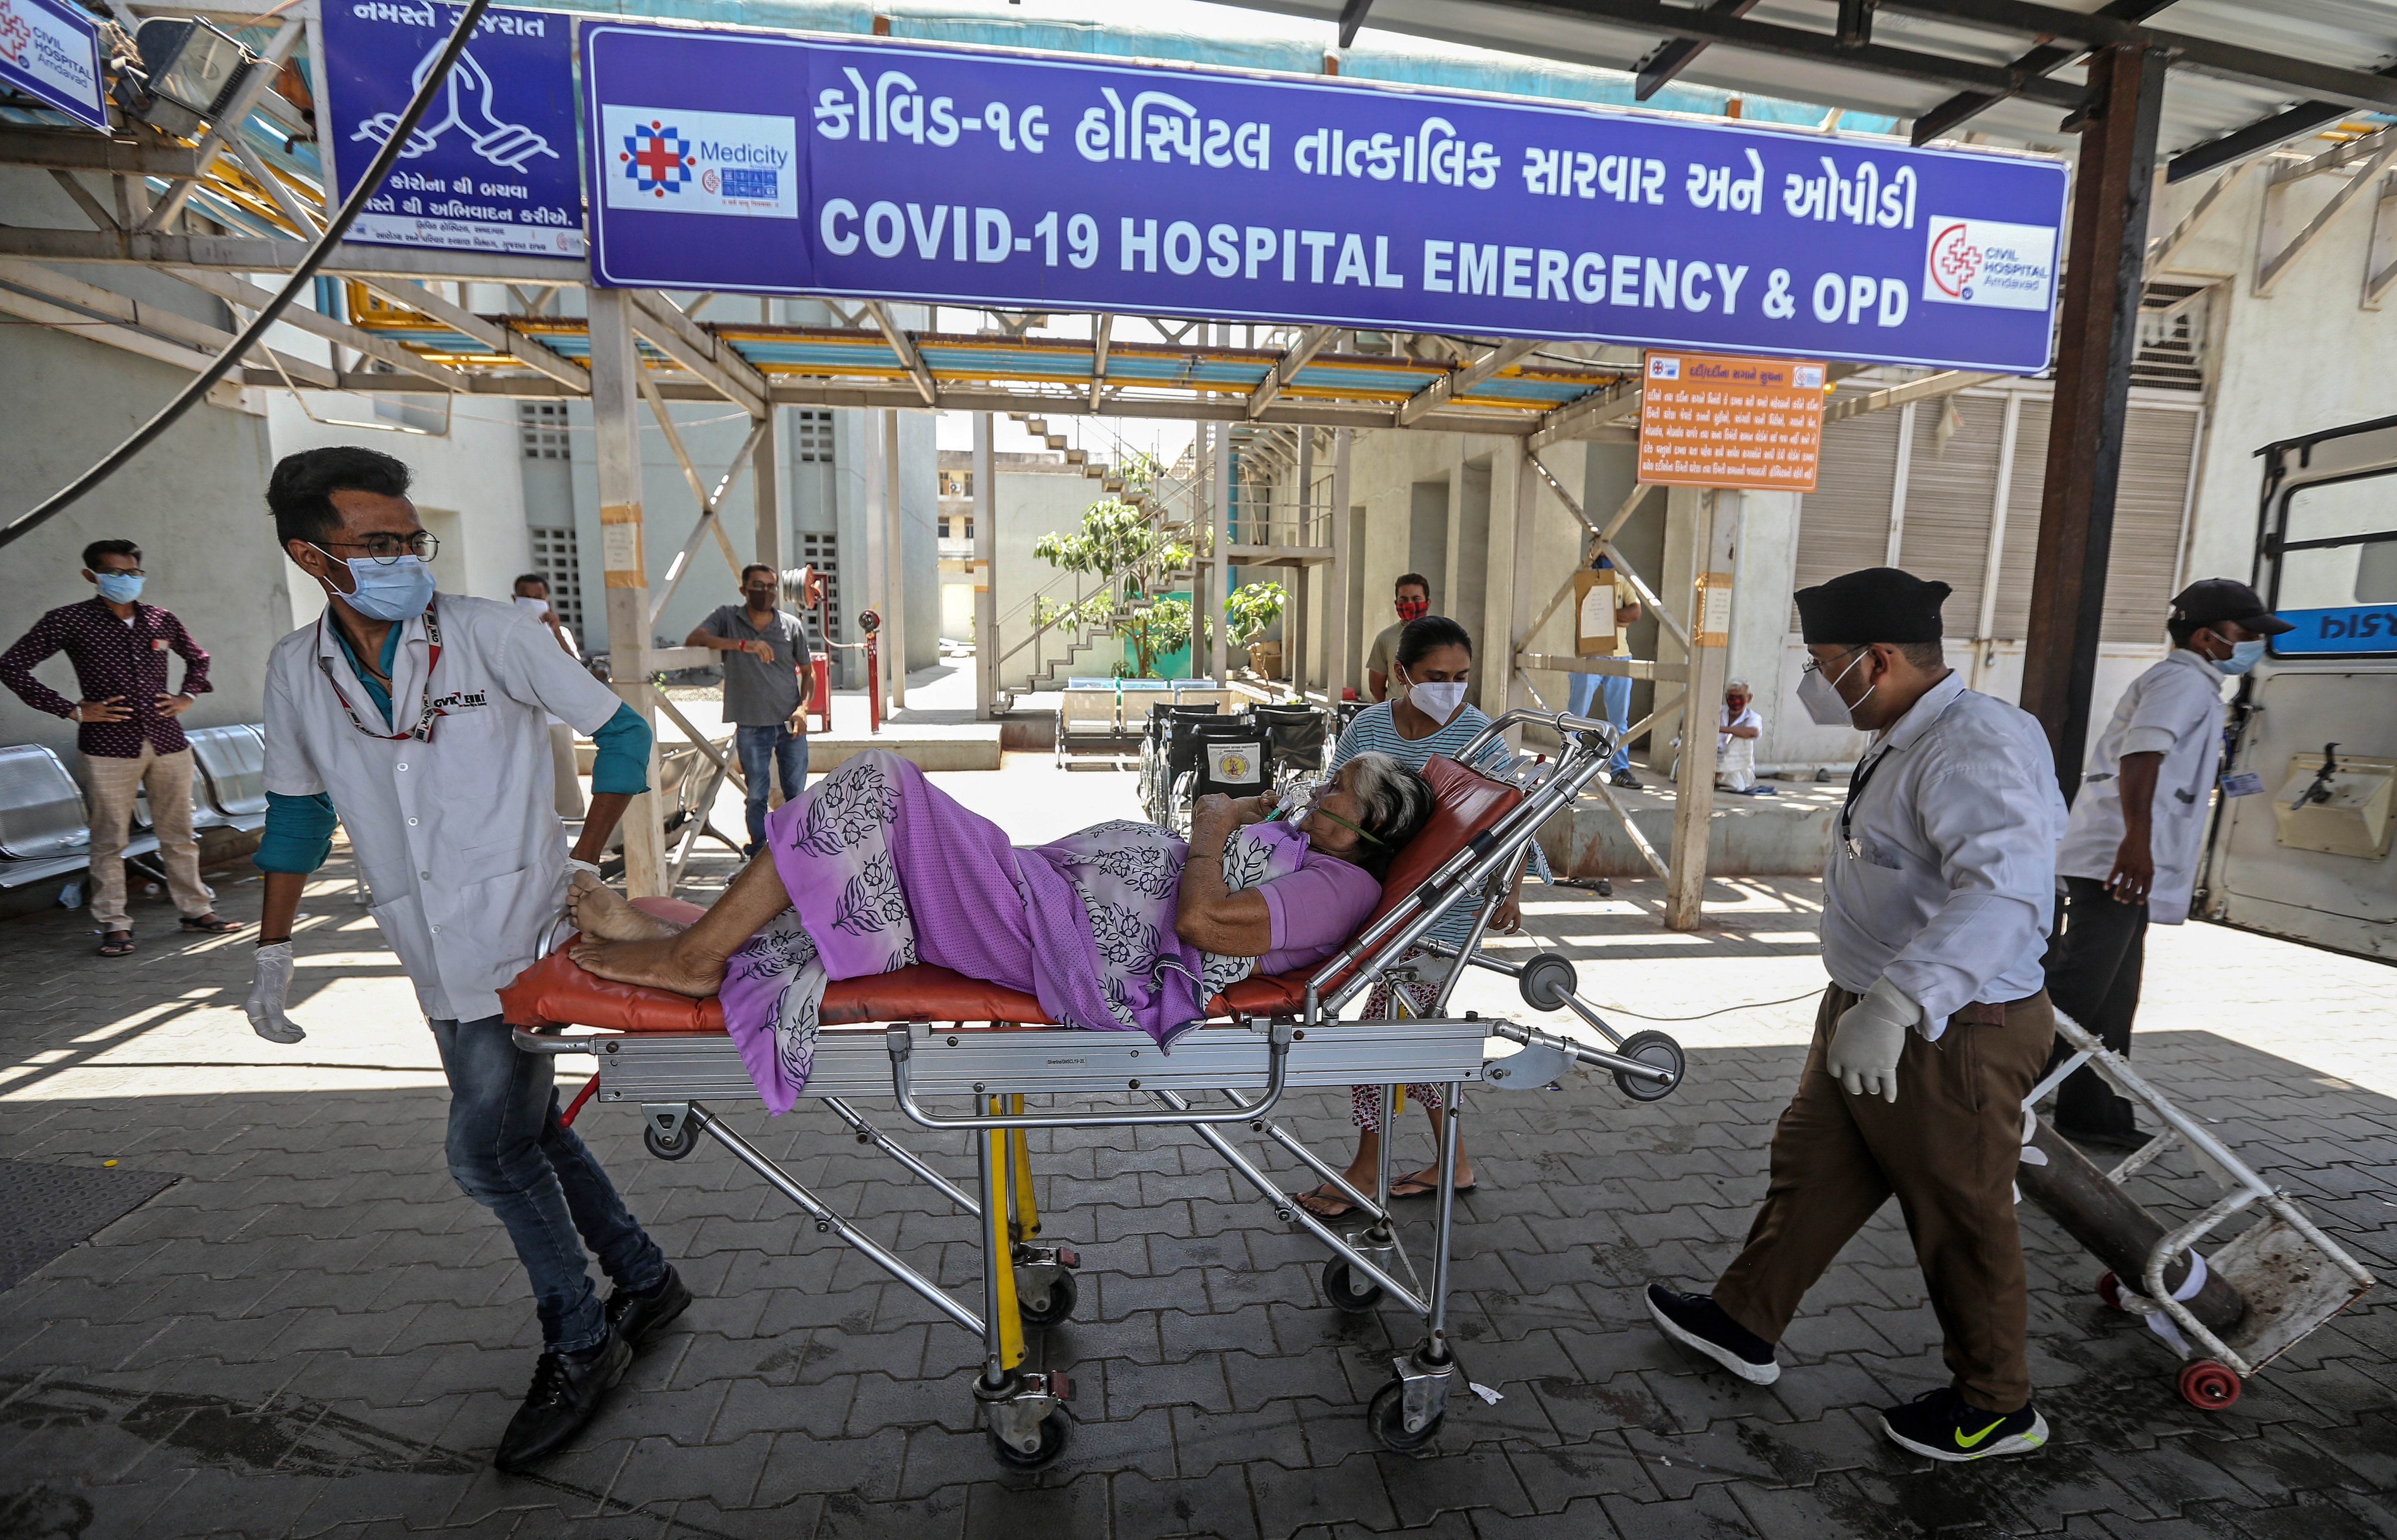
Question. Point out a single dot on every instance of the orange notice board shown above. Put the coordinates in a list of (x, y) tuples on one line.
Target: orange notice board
[(1706, 420)]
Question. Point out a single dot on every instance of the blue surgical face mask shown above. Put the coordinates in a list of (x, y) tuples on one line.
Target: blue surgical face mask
[(2243, 656), (119, 587), (389, 592)]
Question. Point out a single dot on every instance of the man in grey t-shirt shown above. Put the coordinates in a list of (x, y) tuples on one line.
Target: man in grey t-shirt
[(768, 674)]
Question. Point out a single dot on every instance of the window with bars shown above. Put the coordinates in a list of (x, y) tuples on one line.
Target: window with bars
[(559, 562), (823, 553), (812, 433), (541, 428)]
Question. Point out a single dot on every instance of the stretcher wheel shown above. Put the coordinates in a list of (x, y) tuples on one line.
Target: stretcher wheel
[(1650, 1047), (1546, 980), (2109, 1289), (2209, 1386), (1386, 1416), (1056, 1430), (1346, 1290), (1063, 1294), (675, 1148)]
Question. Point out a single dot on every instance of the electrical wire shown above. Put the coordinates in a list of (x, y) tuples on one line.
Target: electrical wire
[(1751, 1005), (436, 79)]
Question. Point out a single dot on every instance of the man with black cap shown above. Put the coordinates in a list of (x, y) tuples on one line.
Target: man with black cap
[(2129, 855), (1936, 903)]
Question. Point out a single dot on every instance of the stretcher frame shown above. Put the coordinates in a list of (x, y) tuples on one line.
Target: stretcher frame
[(1217, 1073)]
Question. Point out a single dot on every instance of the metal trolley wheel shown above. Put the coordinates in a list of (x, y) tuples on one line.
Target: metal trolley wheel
[(1650, 1047), (1063, 1296), (1386, 1416), (1344, 1290), (677, 1148), (1057, 1431)]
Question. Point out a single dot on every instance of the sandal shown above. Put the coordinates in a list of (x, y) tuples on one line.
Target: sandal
[(1423, 1189), (211, 923), (115, 943), (1329, 1194)]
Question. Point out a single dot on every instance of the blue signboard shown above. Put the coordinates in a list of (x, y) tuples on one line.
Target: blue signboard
[(750, 162), (2346, 630), (50, 51), (491, 166)]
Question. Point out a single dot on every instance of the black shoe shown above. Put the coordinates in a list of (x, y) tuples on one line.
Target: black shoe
[(2106, 1138), (1944, 1426), (641, 1319), (1624, 779), (566, 1391), (1697, 1322)]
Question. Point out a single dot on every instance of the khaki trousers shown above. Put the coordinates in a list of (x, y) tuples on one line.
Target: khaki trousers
[(112, 784), (1948, 1149)]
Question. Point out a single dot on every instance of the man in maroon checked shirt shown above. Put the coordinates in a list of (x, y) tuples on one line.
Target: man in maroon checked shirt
[(130, 737)]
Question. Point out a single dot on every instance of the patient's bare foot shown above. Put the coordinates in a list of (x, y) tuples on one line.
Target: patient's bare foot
[(673, 965), (602, 914)]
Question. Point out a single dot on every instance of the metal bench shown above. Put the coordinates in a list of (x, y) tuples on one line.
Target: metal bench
[(228, 778), (45, 831)]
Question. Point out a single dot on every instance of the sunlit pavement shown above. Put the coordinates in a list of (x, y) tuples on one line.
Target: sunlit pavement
[(310, 1332)]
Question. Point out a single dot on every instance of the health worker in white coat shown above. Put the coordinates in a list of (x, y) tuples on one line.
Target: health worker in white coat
[(2129, 856), (421, 722), (1936, 906)]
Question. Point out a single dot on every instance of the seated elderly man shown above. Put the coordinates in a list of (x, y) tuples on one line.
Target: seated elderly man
[(1121, 927)]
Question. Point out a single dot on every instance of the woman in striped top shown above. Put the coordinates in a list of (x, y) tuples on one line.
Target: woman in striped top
[(1425, 715)]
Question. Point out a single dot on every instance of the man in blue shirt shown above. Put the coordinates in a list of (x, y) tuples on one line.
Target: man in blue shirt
[(420, 721)]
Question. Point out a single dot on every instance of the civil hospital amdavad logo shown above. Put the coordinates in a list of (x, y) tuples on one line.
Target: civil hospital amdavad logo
[(15, 35), (657, 159), (1955, 260)]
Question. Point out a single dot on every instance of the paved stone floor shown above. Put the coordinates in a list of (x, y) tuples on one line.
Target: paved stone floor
[(312, 1333)]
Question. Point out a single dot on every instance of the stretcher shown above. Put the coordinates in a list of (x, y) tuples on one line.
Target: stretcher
[(923, 1036)]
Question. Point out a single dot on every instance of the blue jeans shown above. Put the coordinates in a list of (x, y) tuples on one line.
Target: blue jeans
[(764, 752), (1616, 691), (508, 1153)]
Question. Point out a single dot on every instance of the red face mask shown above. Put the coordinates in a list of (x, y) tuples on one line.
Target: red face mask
[(1414, 609)]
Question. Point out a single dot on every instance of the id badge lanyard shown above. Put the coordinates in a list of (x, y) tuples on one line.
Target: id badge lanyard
[(426, 710)]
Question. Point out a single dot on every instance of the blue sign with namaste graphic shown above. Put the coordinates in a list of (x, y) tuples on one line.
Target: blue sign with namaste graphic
[(491, 166)]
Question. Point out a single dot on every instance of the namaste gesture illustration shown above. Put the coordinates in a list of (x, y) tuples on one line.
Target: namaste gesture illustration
[(505, 144)]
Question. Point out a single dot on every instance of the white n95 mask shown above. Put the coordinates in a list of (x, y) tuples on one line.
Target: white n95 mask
[(1437, 700), (1820, 696), (531, 606)]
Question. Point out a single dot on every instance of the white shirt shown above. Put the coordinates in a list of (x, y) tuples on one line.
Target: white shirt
[(1952, 876), (459, 835), (2175, 709), (1725, 721)]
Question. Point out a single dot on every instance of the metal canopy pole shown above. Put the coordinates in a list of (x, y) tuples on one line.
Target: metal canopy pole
[(1219, 499), (766, 478), (985, 588), (894, 542), (1693, 770), (615, 415), (1335, 589), (2114, 190)]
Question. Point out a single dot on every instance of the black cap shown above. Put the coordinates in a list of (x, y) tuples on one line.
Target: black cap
[(2210, 599), (1879, 604)]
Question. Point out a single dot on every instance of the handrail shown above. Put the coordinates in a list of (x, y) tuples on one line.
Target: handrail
[(900, 1043)]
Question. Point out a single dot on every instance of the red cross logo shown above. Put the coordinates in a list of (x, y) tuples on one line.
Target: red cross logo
[(657, 159)]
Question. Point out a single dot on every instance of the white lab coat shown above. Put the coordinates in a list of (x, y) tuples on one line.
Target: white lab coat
[(1736, 757), (2175, 709), (1947, 878), (458, 836)]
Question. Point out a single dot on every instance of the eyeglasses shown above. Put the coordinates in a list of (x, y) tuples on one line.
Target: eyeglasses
[(1814, 665), (386, 549)]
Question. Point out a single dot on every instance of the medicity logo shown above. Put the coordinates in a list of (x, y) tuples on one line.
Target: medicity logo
[(669, 160), (657, 159), (1987, 262)]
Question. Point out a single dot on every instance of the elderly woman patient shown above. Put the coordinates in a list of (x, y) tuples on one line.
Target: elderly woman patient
[(1121, 927)]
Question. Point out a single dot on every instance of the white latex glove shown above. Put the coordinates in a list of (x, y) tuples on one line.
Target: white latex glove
[(575, 864), (1872, 1034), (271, 983)]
